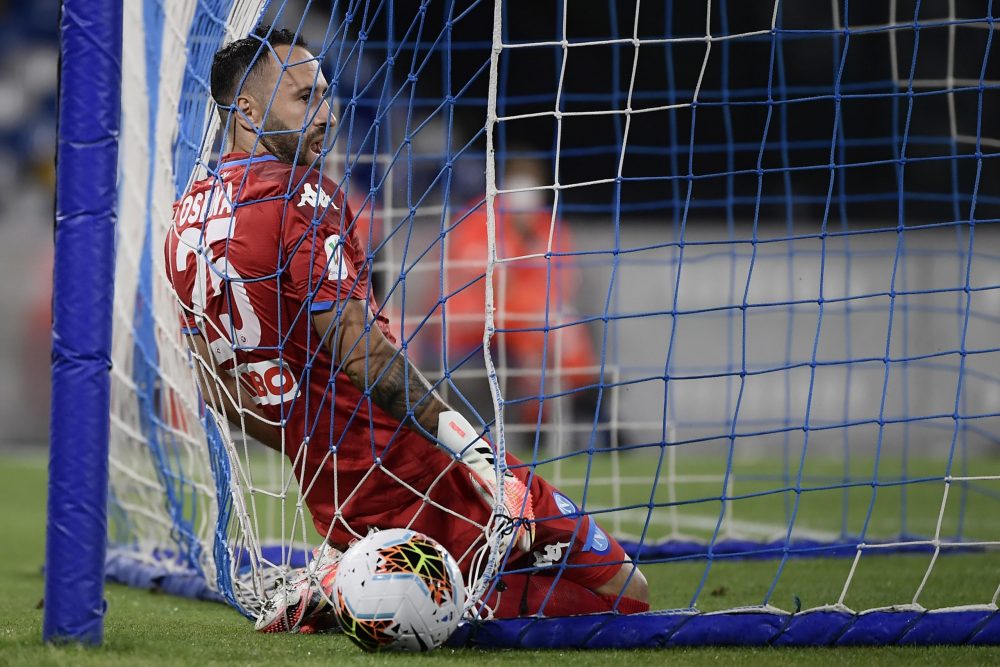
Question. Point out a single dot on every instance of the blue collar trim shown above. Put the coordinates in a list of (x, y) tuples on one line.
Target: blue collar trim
[(246, 161)]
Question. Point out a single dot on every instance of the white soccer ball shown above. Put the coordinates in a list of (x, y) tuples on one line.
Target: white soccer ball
[(398, 590)]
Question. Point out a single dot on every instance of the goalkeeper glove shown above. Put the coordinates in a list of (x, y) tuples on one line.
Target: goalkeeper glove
[(516, 518)]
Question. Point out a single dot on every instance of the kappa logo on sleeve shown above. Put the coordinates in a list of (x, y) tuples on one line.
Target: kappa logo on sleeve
[(336, 269), (553, 554), (316, 197)]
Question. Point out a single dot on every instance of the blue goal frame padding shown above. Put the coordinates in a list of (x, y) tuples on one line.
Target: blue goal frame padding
[(980, 626), (746, 627), (121, 568)]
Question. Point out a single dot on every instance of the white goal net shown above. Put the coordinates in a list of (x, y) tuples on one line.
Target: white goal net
[(735, 263)]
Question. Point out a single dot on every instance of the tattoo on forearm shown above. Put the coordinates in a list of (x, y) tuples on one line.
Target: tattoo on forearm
[(397, 388), (402, 384)]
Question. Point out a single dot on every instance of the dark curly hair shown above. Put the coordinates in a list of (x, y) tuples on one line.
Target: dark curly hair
[(241, 58)]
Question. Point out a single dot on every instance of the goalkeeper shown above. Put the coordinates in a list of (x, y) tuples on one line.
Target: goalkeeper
[(274, 281)]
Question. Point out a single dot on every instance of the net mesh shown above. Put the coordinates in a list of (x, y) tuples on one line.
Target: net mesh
[(733, 263)]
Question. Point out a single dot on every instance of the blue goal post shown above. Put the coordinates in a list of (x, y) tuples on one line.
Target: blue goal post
[(86, 203), (786, 214)]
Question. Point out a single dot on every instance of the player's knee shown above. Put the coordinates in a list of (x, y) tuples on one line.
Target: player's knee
[(628, 581), (637, 587)]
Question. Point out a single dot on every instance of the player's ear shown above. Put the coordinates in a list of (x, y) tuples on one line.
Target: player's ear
[(247, 112)]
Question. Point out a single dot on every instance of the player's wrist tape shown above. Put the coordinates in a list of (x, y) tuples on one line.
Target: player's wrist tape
[(459, 437), (514, 519)]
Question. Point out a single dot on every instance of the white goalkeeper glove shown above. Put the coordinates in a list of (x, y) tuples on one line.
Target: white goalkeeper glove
[(516, 518)]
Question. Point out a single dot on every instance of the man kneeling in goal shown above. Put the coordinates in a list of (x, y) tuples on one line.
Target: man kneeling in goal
[(265, 258)]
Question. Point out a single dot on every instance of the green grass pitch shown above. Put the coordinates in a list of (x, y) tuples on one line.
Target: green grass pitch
[(143, 628)]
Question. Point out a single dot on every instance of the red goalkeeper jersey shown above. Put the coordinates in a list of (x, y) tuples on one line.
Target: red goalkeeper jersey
[(278, 244), (252, 254)]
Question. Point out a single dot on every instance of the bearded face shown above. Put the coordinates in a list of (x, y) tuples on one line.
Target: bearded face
[(291, 101), (292, 145)]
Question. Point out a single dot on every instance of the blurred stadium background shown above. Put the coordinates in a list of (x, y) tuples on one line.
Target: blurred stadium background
[(28, 79), (28, 82)]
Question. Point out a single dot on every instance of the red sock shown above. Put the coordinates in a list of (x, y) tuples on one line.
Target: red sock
[(625, 605), (524, 595)]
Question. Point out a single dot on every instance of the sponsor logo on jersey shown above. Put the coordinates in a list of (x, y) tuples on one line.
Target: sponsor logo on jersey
[(565, 505), (336, 269), (316, 197), (552, 554), (268, 382)]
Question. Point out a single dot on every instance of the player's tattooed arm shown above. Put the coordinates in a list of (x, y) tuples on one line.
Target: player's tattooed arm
[(379, 367), (374, 364)]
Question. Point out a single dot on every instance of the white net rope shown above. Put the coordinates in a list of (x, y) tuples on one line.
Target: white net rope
[(772, 364), (164, 507)]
